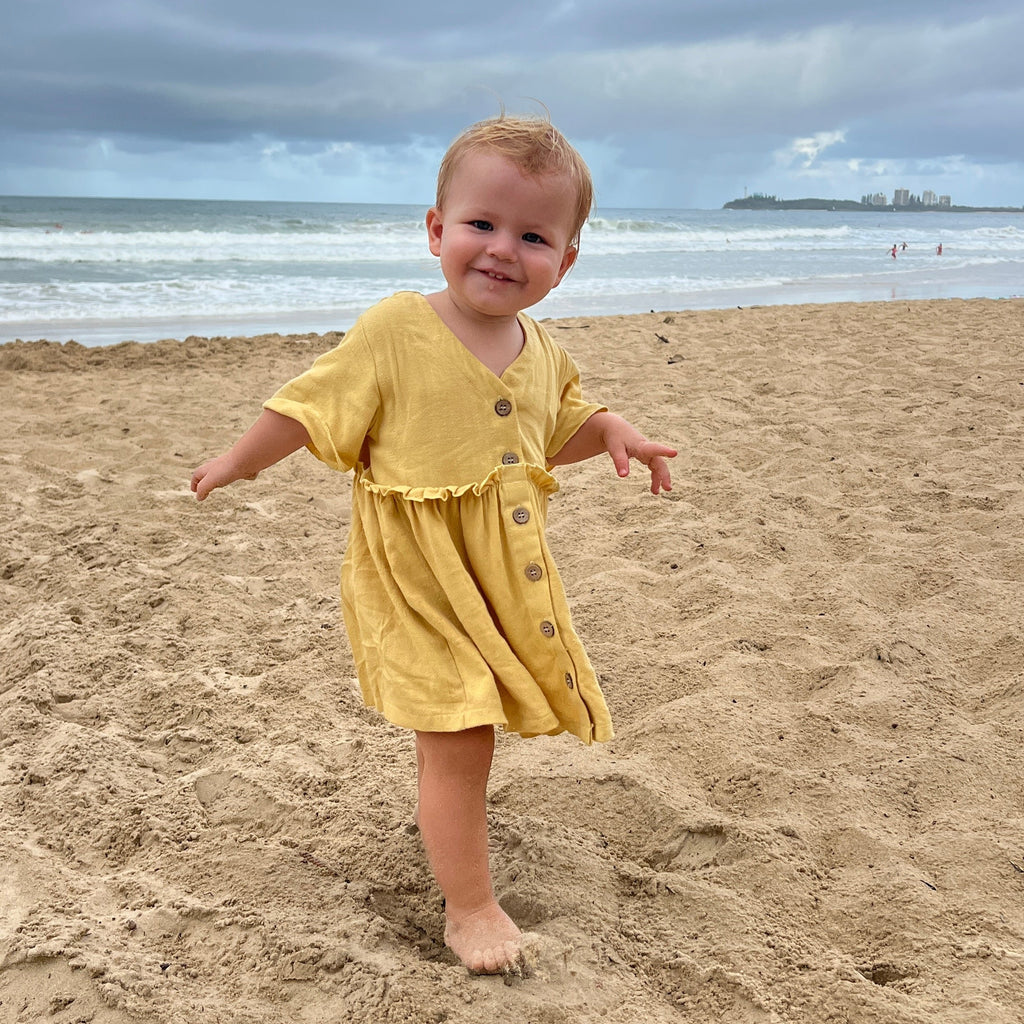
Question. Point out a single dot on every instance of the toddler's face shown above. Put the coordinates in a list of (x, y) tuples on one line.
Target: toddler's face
[(503, 237)]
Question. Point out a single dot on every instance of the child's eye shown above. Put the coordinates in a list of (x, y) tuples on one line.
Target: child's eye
[(533, 238), (481, 225)]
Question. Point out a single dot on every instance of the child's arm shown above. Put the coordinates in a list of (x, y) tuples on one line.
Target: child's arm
[(267, 441), (606, 432)]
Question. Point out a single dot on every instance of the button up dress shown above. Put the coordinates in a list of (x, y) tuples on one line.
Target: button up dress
[(455, 611)]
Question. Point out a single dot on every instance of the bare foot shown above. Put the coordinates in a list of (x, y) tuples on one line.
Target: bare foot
[(487, 941)]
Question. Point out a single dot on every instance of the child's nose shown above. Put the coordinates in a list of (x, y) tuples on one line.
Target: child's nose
[(501, 246)]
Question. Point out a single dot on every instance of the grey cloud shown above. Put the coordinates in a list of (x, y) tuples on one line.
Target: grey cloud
[(691, 86), (463, 29)]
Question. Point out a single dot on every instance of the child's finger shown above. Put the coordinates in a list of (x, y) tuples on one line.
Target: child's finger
[(664, 451), (620, 459), (202, 482), (661, 479)]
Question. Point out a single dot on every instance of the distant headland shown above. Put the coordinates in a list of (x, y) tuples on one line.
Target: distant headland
[(870, 204)]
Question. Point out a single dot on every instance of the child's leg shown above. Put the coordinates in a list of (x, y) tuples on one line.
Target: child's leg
[(453, 771)]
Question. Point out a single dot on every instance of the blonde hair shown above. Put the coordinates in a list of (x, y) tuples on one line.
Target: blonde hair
[(535, 146)]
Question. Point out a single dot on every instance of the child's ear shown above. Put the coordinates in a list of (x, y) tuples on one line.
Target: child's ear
[(567, 261), (434, 228)]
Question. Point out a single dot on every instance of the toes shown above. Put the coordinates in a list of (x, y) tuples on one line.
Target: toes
[(505, 958), (514, 962)]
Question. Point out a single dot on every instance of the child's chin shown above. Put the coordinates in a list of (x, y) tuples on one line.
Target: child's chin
[(494, 303)]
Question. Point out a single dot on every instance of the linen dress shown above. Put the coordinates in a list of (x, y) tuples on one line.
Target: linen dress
[(455, 611)]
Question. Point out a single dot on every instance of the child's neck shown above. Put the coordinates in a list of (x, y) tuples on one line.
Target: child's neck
[(495, 342)]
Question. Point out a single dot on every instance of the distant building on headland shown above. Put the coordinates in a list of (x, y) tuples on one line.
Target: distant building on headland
[(902, 200), (902, 197)]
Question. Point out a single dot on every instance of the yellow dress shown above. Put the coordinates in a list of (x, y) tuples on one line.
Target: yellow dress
[(455, 610)]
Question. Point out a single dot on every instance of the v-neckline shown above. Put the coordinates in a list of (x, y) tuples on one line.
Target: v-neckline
[(476, 360)]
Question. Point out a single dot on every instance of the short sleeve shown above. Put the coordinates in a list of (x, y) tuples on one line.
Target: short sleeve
[(337, 400), (573, 409)]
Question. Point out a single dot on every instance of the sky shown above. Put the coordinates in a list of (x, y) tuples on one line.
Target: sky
[(673, 103)]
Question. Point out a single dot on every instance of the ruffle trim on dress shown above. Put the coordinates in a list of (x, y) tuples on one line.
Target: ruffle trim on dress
[(540, 478)]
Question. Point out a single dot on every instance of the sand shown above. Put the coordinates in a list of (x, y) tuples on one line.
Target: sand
[(814, 807)]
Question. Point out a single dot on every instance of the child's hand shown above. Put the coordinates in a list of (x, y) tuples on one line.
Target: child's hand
[(218, 472), (626, 445), (267, 441), (606, 432)]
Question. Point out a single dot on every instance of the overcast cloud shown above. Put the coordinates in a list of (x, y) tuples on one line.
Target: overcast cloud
[(673, 102)]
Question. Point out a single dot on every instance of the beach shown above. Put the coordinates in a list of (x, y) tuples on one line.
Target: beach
[(813, 809)]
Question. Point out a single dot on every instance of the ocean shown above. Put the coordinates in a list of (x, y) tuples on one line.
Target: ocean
[(101, 271)]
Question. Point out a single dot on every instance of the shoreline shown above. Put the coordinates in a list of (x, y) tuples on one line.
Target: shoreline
[(99, 333)]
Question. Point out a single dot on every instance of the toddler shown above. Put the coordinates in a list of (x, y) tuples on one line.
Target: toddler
[(451, 408)]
